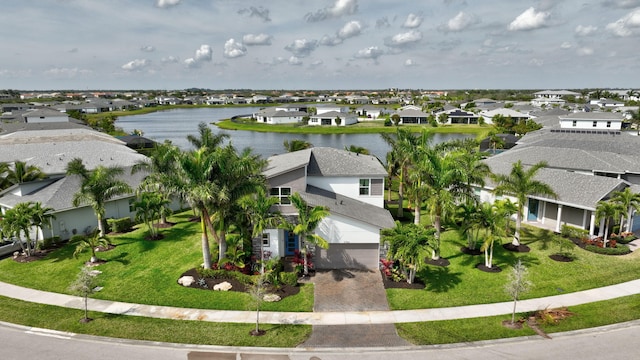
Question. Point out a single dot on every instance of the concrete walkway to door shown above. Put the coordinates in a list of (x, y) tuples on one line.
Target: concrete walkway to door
[(351, 290)]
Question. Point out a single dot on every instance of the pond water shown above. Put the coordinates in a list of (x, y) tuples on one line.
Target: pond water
[(176, 124)]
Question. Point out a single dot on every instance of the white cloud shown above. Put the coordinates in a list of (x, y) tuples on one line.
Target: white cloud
[(565, 45), (169, 60), (412, 21), (585, 30), (350, 29), (404, 39), (317, 63), (136, 65), (167, 3), (585, 51), (302, 47), (256, 39), (460, 22), (371, 52), (191, 63), (67, 72), (410, 63), (147, 48), (234, 49), (330, 40), (627, 25), (530, 19), (339, 8), (258, 12), (293, 60), (204, 53), (536, 62)]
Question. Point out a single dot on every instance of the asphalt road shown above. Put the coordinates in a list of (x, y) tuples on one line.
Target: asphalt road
[(613, 342)]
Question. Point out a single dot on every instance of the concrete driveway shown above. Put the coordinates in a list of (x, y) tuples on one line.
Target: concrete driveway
[(351, 290)]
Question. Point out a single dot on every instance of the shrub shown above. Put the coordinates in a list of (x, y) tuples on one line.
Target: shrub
[(388, 122), (569, 231), (120, 225), (48, 243), (77, 238), (620, 249), (289, 278), (224, 274)]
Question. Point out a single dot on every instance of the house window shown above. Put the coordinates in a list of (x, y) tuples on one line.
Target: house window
[(608, 124), (595, 123), (575, 123), (364, 186), (283, 194), (265, 239)]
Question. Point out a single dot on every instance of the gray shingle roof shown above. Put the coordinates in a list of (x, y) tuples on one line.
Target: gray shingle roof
[(348, 207)]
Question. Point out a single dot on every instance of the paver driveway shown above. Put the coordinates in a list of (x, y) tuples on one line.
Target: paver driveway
[(351, 290)]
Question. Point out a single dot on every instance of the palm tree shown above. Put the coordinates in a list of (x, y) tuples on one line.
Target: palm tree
[(19, 173), (18, 220), (403, 146), (521, 183), (357, 149), (206, 138), (97, 187), (506, 208), (607, 210), (308, 220), (4, 169), (40, 216), (149, 207), (473, 171), (489, 219), (91, 242), (296, 144), (409, 244), (630, 202), (258, 208)]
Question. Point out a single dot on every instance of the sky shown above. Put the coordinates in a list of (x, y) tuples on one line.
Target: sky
[(320, 44)]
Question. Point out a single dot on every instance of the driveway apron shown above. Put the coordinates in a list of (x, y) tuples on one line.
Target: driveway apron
[(351, 290)]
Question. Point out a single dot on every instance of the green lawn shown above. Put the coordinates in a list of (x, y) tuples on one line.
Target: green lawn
[(145, 272), (462, 284)]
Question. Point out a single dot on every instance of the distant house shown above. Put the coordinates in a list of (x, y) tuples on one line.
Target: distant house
[(411, 116), (516, 116), (279, 116), (458, 116), (350, 185), (332, 115), (45, 115), (552, 97), (369, 112), (592, 121)]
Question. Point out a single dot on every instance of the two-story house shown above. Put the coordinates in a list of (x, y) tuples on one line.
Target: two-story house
[(350, 185)]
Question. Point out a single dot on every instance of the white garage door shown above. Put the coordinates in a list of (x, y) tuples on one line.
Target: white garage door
[(348, 256)]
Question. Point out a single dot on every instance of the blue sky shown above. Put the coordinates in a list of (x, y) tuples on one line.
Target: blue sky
[(320, 44)]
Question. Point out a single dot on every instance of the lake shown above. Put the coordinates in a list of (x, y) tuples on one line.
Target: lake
[(176, 124)]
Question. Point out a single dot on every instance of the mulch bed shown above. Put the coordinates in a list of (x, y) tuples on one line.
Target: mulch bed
[(560, 258), (283, 291), (390, 284), (469, 251), (35, 256), (164, 226), (439, 262), (520, 248), (493, 269)]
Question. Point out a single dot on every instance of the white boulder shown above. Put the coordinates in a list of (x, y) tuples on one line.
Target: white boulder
[(271, 298), (223, 286), (186, 281)]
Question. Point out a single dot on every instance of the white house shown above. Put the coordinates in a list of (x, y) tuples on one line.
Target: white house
[(458, 116), (333, 118), (592, 121), (44, 116), (279, 116), (350, 185), (504, 112)]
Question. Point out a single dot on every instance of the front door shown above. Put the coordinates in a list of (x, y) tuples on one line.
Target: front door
[(291, 243), (533, 210)]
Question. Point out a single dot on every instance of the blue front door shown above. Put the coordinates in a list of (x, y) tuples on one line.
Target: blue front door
[(290, 243)]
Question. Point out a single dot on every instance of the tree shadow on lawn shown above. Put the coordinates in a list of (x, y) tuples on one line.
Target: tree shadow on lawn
[(121, 258), (505, 258), (543, 237), (440, 279)]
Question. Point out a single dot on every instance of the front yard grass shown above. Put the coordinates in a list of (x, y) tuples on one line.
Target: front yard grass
[(461, 283), (143, 271)]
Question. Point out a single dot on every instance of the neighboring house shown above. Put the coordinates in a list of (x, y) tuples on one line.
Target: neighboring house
[(50, 147), (582, 168), (279, 116), (350, 185), (592, 121), (516, 116), (44, 116), (552, 97), (331, 118), (458, 116), (411, 116), (369, 112)]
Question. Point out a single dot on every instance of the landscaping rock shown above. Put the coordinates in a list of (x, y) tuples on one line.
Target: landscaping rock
[(271, 298), (186, 281), (223, 286)]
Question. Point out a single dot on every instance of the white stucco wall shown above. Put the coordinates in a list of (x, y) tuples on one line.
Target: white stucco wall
[(346, 186), (588, 124)]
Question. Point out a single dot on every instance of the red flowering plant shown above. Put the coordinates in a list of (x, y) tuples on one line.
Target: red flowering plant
[(298, 261), (392, 271)]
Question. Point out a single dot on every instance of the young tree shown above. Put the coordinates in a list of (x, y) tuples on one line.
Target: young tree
[(308, 220), (97, 187), (84, 285), (257, 292), (91, 242), (150, 207), (517, 284), (521, 183)]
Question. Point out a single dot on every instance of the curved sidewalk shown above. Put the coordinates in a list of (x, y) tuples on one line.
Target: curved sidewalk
[(322, 318)]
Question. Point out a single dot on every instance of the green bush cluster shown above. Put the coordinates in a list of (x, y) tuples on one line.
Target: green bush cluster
[(224, 274), (77, 238), (573, 232), (120, 225), (289, 278), (48, 243), (620, 249)]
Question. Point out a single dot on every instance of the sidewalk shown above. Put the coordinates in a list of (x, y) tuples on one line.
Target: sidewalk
[(322, 318)]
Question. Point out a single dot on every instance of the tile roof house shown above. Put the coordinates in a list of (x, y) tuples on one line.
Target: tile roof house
[(350, 185), (582, 168)]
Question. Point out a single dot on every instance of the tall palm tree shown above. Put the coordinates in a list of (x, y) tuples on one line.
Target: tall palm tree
[(630, 202), (521, 183), (150, 206), (308, 220), (403, 147), (409, 244), (19, 173), (206, 138), (97, 187), (491, 220), (4, 169), (258, 208), (607, 210), (40, 216), (16, 221)]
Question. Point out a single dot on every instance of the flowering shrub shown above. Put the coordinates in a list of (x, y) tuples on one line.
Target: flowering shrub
[(392, 271), (298, 261)]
